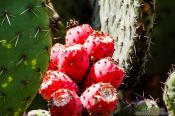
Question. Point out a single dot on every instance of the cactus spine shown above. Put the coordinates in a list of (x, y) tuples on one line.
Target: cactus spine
[(130, 22), (24, 44), (169, 94)]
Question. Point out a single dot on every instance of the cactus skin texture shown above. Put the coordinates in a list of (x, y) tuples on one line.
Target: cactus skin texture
[(24, 44), (169, 94), (130, 22)]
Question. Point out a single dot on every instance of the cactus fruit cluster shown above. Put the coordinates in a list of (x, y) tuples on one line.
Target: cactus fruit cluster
[(24, 44), (169, 94), (130, 22), (80, 78)]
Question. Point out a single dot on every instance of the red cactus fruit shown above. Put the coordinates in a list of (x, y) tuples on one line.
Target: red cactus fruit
[(78, 34), (65, 103), (99, 45), (53, 64), (74, 62), (53, 81), (99, 99), (105, 70)]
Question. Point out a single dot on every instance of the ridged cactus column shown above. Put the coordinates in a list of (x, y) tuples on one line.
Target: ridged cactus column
[(130, 22), (169, 94), (24, 44)]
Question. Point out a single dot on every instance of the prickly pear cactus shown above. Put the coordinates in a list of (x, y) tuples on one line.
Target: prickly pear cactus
[(147, 107), (169, 94), (24, 44), (124, 109), (130, 22)]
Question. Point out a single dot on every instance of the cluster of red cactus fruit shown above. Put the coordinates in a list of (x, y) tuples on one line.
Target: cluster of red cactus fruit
[(82, 77)]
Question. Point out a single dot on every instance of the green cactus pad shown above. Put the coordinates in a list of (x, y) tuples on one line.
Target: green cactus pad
[(169, 94), (130, 22), (24, 44), (147, 107)]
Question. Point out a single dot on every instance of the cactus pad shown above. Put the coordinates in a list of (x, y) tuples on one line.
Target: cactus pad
[(24, 44)]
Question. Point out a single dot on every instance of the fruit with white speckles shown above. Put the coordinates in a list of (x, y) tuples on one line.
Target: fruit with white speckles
[(99, 45), (65, 103), (74, 62), (105, 70), (53, 81), (99, 99), (78, 34), (53, 64)]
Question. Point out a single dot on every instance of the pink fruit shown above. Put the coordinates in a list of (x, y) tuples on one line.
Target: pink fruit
[(54, 81), (105, 70), (53, 64), (99, 45), (99, 99), (65, 103), (74, 62), (78, 34)]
